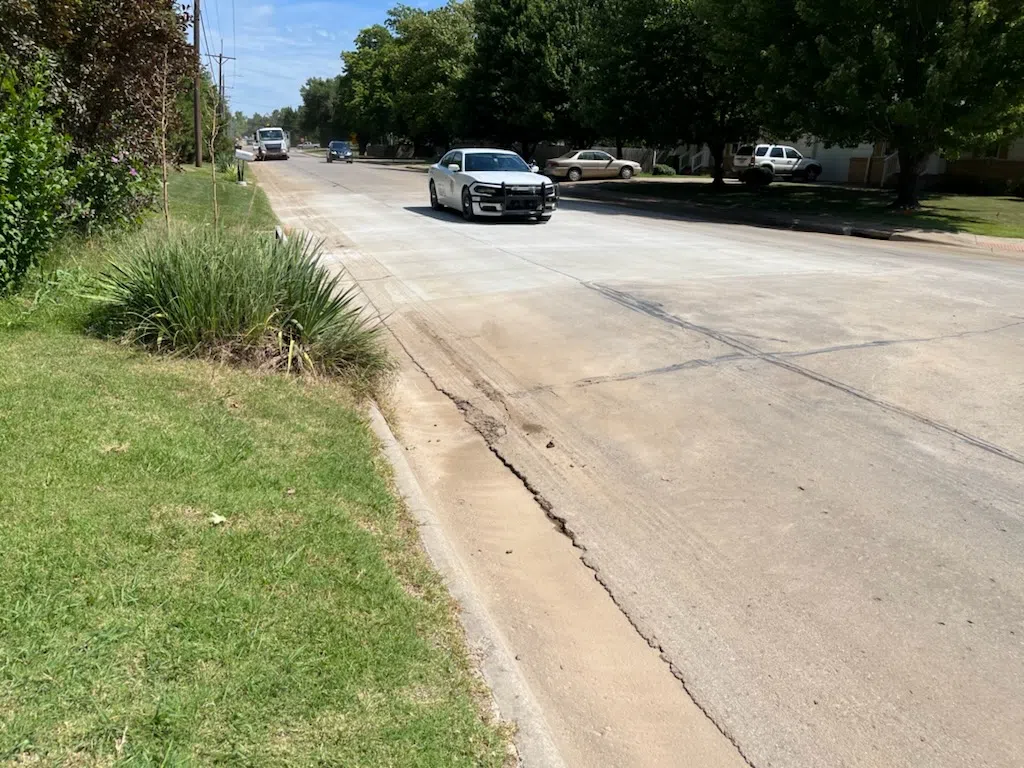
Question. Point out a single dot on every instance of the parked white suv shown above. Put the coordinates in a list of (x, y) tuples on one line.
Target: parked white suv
[(764, 162), (271, 142)]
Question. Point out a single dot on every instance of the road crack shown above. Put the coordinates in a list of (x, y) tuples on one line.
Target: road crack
[(655, 310), (492, 431)]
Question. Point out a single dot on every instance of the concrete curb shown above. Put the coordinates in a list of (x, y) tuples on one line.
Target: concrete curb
[(512, 695), (763, 219)]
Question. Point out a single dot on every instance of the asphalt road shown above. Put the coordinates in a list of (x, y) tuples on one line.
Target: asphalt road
[(795, 461)]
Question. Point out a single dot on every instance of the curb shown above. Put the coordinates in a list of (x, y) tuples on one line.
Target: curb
[(703, 213), (514, 699)]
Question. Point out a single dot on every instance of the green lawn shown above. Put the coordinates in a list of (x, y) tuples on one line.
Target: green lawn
[(995, 216), (207, 566)]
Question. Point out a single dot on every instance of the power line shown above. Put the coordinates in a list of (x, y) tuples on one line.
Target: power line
[(216, 12), (234, 45), (209, 57)]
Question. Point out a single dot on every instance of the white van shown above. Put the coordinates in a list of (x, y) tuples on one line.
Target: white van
[(271, 142)]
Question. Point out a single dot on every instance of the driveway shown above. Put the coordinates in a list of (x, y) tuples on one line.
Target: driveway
[(795, 461)]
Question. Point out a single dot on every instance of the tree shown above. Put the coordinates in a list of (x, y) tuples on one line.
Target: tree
[(431, 57), (639, 71), (107, 60), (180, 139), (369, 88), (521, 81), (649, 77), (317, 111), (923, 76)]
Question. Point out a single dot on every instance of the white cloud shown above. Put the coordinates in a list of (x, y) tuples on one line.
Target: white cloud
[(322, 33), (263, 11)]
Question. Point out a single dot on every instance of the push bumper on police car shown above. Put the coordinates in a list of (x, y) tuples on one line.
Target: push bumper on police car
[(513, 199)]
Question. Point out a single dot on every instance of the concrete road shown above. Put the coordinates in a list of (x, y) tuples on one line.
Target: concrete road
[(796, 462)]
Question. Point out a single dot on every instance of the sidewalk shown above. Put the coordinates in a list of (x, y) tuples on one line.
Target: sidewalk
[(782, 220)]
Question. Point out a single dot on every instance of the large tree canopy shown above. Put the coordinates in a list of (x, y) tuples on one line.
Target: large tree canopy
[(108, 63), (921, 75), (525, 76), (650, 77)]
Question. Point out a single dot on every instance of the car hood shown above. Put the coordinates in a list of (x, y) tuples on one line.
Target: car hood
[(508, 177)]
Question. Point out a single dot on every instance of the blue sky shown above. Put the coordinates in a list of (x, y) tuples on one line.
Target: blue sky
[(278, 44)]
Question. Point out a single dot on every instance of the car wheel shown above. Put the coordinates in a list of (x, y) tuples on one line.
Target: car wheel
[(626, 172), (434, 202), (467, 205), (812, 173), (328, 158), (575, 174)]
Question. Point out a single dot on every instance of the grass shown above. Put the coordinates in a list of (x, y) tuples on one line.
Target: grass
[(205, 565), (993, 216), (245, 298), (246, 207)]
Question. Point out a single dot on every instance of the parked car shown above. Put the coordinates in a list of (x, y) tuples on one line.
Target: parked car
[(271, 142), (590, 164), (483, 182), (764, 162), (339, 150)]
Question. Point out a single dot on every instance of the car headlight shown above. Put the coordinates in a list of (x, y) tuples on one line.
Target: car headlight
[(486, 190)]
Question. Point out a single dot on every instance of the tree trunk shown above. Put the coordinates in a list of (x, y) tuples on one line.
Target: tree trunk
[(718, 159), (906, 184), (618, 148), (527, 148)]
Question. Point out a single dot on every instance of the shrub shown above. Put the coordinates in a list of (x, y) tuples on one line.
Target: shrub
[(33, 181), (664, 170), (111, 189), (1015, 187), (244, 298)]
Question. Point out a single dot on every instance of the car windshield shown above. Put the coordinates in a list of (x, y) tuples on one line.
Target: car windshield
[(494, 161), (341, 146), (271, 135)]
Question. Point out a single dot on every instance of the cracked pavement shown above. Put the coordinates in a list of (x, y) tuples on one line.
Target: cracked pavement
[(794, 462)]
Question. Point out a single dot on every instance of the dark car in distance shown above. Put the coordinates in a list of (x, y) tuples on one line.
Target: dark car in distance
[(339, 150)]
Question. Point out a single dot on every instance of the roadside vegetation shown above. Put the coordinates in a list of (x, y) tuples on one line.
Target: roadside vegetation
[(245, 299), (204, 563)]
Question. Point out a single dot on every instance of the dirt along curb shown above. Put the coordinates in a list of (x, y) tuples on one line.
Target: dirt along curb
[(512, 696), (786, 221)]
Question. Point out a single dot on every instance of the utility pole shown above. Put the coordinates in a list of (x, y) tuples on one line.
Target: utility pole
[(196, 118), (222, 103)]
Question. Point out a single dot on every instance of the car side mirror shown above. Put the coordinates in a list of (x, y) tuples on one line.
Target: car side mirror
[(534, 168), (454, 167)]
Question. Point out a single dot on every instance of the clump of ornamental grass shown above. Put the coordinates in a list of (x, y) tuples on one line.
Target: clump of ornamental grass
[(243, 298)]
